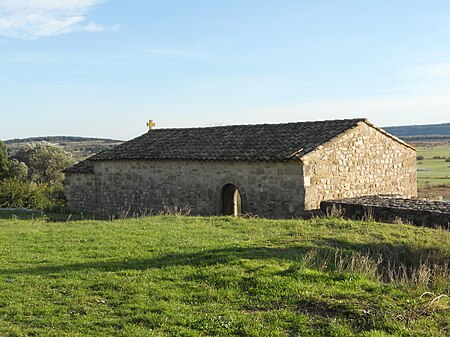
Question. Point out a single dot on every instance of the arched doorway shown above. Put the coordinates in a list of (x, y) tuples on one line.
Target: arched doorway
[(231, 200)]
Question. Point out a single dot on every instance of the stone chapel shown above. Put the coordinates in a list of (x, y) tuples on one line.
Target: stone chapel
[(269, 170)]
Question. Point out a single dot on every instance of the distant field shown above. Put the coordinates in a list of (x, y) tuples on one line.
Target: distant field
[(219, 276), (433, 171), (433, 175)]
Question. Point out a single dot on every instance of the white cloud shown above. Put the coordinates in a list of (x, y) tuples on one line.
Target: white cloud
[(32, 19)]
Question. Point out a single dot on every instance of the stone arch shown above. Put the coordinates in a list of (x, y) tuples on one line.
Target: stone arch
[(231, 200)]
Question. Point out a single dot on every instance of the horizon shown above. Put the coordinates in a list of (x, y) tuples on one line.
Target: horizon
[(102, 68)]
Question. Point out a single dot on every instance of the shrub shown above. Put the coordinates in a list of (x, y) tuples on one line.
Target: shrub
[(438, 157), (56, 195), (447, 160), (18, 170), (420, 158), (19, 194)]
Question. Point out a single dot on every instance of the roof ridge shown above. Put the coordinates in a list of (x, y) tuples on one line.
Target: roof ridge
[(361, 119)]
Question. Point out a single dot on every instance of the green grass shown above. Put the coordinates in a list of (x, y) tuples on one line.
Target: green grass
[(194, 276), (433, 172)]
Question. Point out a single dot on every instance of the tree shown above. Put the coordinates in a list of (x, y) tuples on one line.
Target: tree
[(45, 161), (18, 170), (4, 161)]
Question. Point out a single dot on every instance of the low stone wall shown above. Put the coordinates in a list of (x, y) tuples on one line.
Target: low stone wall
[(393, 210)]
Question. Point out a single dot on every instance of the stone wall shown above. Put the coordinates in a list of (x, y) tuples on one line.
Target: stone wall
[(362, 161), (80, 192), (269, 189), (394, 210)]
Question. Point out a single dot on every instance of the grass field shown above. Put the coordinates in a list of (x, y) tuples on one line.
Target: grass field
[(432, 172), (433, 175), (193, 276)]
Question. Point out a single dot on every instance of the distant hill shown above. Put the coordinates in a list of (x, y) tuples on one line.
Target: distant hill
[(54, 139), (80, 147), (420, 130), (422, 135)]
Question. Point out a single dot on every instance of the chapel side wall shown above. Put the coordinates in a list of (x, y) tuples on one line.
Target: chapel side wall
[(362, 161), (80, 192), (269, 189)]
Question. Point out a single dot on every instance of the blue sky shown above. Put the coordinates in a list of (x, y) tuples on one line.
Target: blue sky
[(103, 68)]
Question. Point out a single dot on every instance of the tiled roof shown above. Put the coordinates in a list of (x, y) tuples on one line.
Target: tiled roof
[(275, 142), (85, 166)]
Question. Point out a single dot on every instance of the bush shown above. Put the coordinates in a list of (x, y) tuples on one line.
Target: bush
[(18, 170), (420, 158), (56, 194), (19, 194), (447, 160)]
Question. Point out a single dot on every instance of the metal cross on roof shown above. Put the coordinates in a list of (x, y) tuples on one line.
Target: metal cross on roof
[(151, 124)]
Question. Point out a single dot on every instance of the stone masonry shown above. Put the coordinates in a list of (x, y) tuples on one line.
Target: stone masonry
[(268, 189), (81, 193), (361, 161)]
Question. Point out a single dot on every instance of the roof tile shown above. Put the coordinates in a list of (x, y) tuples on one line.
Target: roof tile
[(275, 142)]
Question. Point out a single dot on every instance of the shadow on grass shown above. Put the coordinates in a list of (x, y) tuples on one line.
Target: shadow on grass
[(325, 255), (20, 214), (40, 215), (392, 253), (204, 258)]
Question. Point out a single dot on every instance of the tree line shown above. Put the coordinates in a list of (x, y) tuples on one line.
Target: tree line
[(60, 139)]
